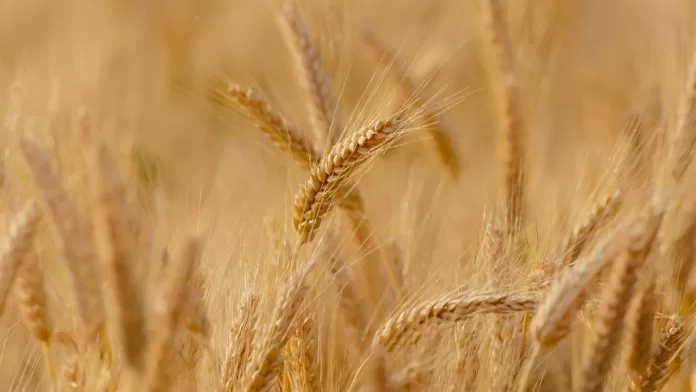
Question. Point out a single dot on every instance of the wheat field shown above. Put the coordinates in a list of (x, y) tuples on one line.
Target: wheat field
[(306, 195)]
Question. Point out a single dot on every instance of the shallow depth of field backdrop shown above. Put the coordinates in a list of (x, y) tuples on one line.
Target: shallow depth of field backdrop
[(145, 73)]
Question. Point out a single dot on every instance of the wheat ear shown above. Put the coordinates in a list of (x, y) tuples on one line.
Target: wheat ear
[(280, 130), (617, 293), (72, 240), (239, 350), (641, 324), (264, 367), (168, 311), (115, 245), (316, 197), (510, 121), (442, 145), (685, 136), (450, 309), (599, 216), (665, 359), (314, 78), (552, 321)]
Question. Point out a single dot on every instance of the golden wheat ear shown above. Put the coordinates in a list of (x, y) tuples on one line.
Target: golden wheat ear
[(326, 122), (168, 312), (618, 292), (239, 350), (450, 309), (265, 365), (317, 196), (509, 111), (16, 246), (115, 236), (72, 238)]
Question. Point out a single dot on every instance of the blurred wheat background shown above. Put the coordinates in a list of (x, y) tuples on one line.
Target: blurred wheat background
[(600, 90)]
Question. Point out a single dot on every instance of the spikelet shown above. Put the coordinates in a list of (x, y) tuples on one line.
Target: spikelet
[(617, 293), (265, 366), (168, 311), (15, 248), (315, 198), (326, 123)]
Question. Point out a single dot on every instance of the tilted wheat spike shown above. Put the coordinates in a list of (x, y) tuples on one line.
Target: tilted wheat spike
[(326, 123), (317, 196), (264, 367), (510, 121), (599, 216), (441, 142), (450, 309), (168, 316), (72, 239), (610, 318)]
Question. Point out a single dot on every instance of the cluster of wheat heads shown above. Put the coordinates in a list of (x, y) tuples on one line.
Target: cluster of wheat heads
[(610, 310)]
